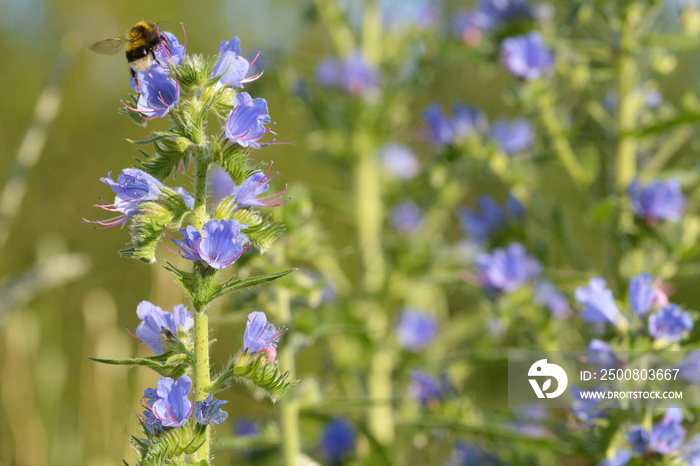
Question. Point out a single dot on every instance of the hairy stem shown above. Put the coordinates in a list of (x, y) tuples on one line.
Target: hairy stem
[(202, 376)]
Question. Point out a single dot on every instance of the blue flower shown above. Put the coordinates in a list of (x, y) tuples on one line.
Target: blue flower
[(546, 294), (132, 188), (426, 389), (220, 184), (221, 243), (621, 458), (491, 14), (507, 269), (586, 409), (159, 93), (148, 419), (406, 217), (600, 354), (170, 51), (641, 293), (231, 67), (638, 437), (244, 427), (209, 411), (171, 407), (353, 75), (512, 136), (482, 222), (669, 323), (189, 245), (416, 330), (527, 56), (439, 128), (467, 120), (666, 436), (659, 200), (246, 122), (691, 450), (337, 440), (399, 161), (261, 336), (179, 322), (246, 195), (689, 368), (599, 304)]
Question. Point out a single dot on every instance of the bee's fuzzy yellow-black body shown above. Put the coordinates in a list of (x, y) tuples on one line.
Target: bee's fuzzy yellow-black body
[(142, 40)]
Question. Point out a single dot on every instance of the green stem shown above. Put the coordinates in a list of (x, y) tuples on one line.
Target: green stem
[(369, 219), (289, 405), (566, 155), (202, 376), (628, 103)]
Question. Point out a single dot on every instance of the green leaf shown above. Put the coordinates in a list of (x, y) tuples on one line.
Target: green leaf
[(168, 364), (238, 284)]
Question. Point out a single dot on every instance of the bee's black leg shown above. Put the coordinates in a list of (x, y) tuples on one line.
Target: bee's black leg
[(136, 78)]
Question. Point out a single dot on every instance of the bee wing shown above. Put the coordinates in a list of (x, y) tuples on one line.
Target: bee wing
[(109, 46)]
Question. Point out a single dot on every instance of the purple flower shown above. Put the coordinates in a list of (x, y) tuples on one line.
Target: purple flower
[(209, 411), (691, 450), (527, 56), (246, 195), (439, 128), (231, 67), (220, 184), (246, 122), (171, 407), (406, 217), (416, 330), (353, 75), (148, 419), (482, 222), (170, 51), (244, 427), (666, 436), (491, 14), (689, 368), (659, 200), (600, 354), (399, 161), (669, 323), (337, 440), (154, 319), (621, 458), (189, 245), (546, 294), (598, 302), (221, 243), (586, 409), (131, 188), (638, 437), (158, 93), (426, 389), (641, 293), (261, 336), (467, 119), (512, 136), (507, 269)]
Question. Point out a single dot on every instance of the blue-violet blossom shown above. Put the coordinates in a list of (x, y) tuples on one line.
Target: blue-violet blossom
[(261, 336), (669, 323), (507, 269), (406, 217), (154, 319), (246, 122), (527, 56), (416, 329), (512, 136), (659, 200), (337, 440), (209, 411), (667, 435), (599, 303), (172, 407), (231, 66), (132, 188), (399, 161)]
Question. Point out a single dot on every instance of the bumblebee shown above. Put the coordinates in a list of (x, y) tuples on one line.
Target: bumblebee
[(141, 42)]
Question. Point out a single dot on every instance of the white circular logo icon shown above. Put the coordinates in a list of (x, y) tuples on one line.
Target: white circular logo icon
[(542, 369)]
